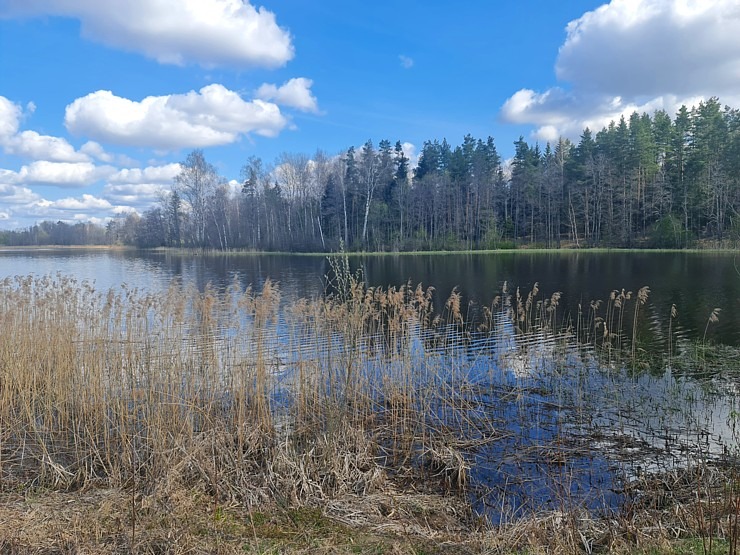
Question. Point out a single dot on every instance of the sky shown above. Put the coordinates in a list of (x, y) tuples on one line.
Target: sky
[(101, 101)]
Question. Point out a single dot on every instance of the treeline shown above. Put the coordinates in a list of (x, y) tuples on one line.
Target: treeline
[(56, 233), (642, 181)]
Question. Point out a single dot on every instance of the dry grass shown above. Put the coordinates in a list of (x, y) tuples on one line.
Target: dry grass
[(183, 521), (148, 397), (226, 421)]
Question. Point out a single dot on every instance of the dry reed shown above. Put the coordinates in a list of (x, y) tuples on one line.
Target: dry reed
[(257, 403)]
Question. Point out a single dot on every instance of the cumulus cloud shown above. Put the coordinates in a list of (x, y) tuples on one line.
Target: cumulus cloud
[(14, 194), (140, 187), (650, 47), (295, 93), (85, 202), (406, 62), (135, 194), (23, 207), (235, 187), (212, 116), (8, 176), (10, 116), (409, 150), (635, 55), (83, 207), (61, 174), (552, 105), (96, 150), (30, 144), (207, 32), (158, 174)]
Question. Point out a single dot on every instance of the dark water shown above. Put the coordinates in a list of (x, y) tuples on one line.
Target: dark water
[(695, 282)]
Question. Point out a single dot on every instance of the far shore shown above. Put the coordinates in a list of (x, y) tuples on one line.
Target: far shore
[(241, 252), (67, 247)]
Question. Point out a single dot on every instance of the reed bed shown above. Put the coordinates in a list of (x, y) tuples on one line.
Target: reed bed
[(367, 404)]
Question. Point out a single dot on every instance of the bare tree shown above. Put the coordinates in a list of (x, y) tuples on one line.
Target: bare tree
[(369, 170), (195, 183)]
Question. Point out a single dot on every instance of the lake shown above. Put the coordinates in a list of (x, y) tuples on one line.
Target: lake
[(695, 282), (555, 424)]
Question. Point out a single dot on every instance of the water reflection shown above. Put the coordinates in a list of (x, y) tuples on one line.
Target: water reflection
[(695, 282), (543, 421)]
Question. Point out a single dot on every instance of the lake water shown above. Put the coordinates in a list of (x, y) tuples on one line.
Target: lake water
[(695, 283), (609, 422)]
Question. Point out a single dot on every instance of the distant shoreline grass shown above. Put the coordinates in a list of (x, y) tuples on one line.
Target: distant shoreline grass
[(67, 247), (354, 254)]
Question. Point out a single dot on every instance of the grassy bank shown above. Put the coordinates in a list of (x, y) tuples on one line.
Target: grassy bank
[(524, 249), (225, 421), (67, 247), (514, 251), (98, 521)]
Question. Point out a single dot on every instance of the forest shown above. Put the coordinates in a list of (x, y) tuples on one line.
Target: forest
[(646, 181)]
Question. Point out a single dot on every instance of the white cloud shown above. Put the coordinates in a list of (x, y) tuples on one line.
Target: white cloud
[(121, 210), (14, 194), (86, 207), (207, 32), (636, 55), (29, 144), (551, 105), (409, 150), (62, 174), (10, 116), (4, 215), (295, 93), (158, 174), (406, 62), (91, 219), (23, 206), (8, 176), (651, 47), (213, 116), (140, 187), (137, 194), (96, 150), (235, 187), (85, 202)]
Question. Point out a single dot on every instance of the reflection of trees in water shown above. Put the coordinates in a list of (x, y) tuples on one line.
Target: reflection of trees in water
[(695, 282)]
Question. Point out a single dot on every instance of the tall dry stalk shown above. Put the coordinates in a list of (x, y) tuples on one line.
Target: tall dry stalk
[(642, 297), (248, 399), (713, 319), (673, 315)]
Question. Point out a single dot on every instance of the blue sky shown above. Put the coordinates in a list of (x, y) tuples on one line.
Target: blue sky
[(99, 101)]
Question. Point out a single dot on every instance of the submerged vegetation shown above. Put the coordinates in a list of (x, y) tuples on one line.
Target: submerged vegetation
[(367, 420)]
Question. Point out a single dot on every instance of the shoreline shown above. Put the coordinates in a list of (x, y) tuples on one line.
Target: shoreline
[(238, 252), (667, 515), (66, 248)]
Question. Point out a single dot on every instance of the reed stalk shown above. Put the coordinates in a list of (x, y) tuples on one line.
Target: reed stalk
[(251, 399)]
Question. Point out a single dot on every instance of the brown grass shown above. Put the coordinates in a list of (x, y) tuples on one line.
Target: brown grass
[(131, 392), (226, 421)]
